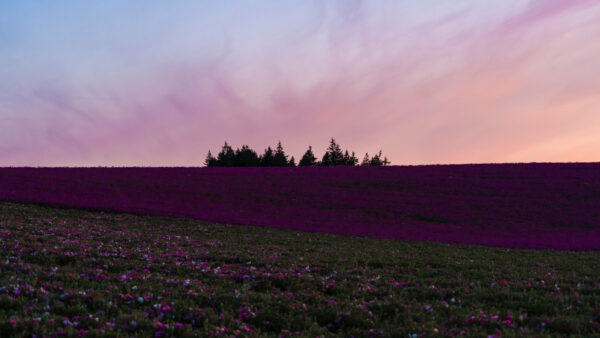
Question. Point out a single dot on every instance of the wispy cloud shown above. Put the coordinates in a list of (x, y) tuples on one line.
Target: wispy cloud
[(428, 83)]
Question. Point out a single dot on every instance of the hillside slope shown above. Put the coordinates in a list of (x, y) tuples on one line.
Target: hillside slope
[(511, 205)]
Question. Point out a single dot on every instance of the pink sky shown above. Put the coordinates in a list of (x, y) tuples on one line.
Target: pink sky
[(433, 82)]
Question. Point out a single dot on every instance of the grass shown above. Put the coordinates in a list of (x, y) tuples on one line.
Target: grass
[(74, 272)]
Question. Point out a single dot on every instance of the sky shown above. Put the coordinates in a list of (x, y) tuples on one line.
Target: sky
[(159, 83)]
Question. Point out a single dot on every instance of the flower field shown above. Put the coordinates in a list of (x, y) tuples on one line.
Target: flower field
[(508, 205), (75, 273)]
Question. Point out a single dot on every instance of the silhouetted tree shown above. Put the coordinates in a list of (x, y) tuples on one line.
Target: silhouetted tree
[(245, 157), (366, 160), (266, 160), (226, 156), (308, 159), (210, 160), (333, 155), (280, 158), (350, 160), (378, 161)]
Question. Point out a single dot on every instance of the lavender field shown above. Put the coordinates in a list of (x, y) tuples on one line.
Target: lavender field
[(509, 205)]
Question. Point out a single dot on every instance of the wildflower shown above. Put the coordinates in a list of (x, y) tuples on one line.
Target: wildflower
[(497, 334)]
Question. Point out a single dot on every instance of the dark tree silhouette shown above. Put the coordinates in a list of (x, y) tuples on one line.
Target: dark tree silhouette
[(378, 161), (245, 157), (280, 158), (350, 160), (210, 160), (266, 160), (325, 160), (366, 160), (226, 156), (333, 155), (308, 159)]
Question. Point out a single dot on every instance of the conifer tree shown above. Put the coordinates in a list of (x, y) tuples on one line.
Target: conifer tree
[(366, 160), (350, 160), (280, 158), (333, 155), (226, 156), (326, 160), (210, 160), (353, 159), (245, 157), (308, 159), (266, 159), (376, 160)]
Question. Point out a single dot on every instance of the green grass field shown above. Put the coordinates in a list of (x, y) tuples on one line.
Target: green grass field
[(73, 272)]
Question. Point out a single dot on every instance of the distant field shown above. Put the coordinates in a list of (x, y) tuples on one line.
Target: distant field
[(76, 272), (509, 205)]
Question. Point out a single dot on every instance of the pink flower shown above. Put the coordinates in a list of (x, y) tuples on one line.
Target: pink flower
[(497, 334), (160, 325)]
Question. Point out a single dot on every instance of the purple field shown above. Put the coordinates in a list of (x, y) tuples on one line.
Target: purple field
[(555, 206)]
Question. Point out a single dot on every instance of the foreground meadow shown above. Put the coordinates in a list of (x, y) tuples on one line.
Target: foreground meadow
[(72, 272)]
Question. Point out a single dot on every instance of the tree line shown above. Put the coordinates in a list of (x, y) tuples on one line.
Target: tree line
[(247, 157)]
